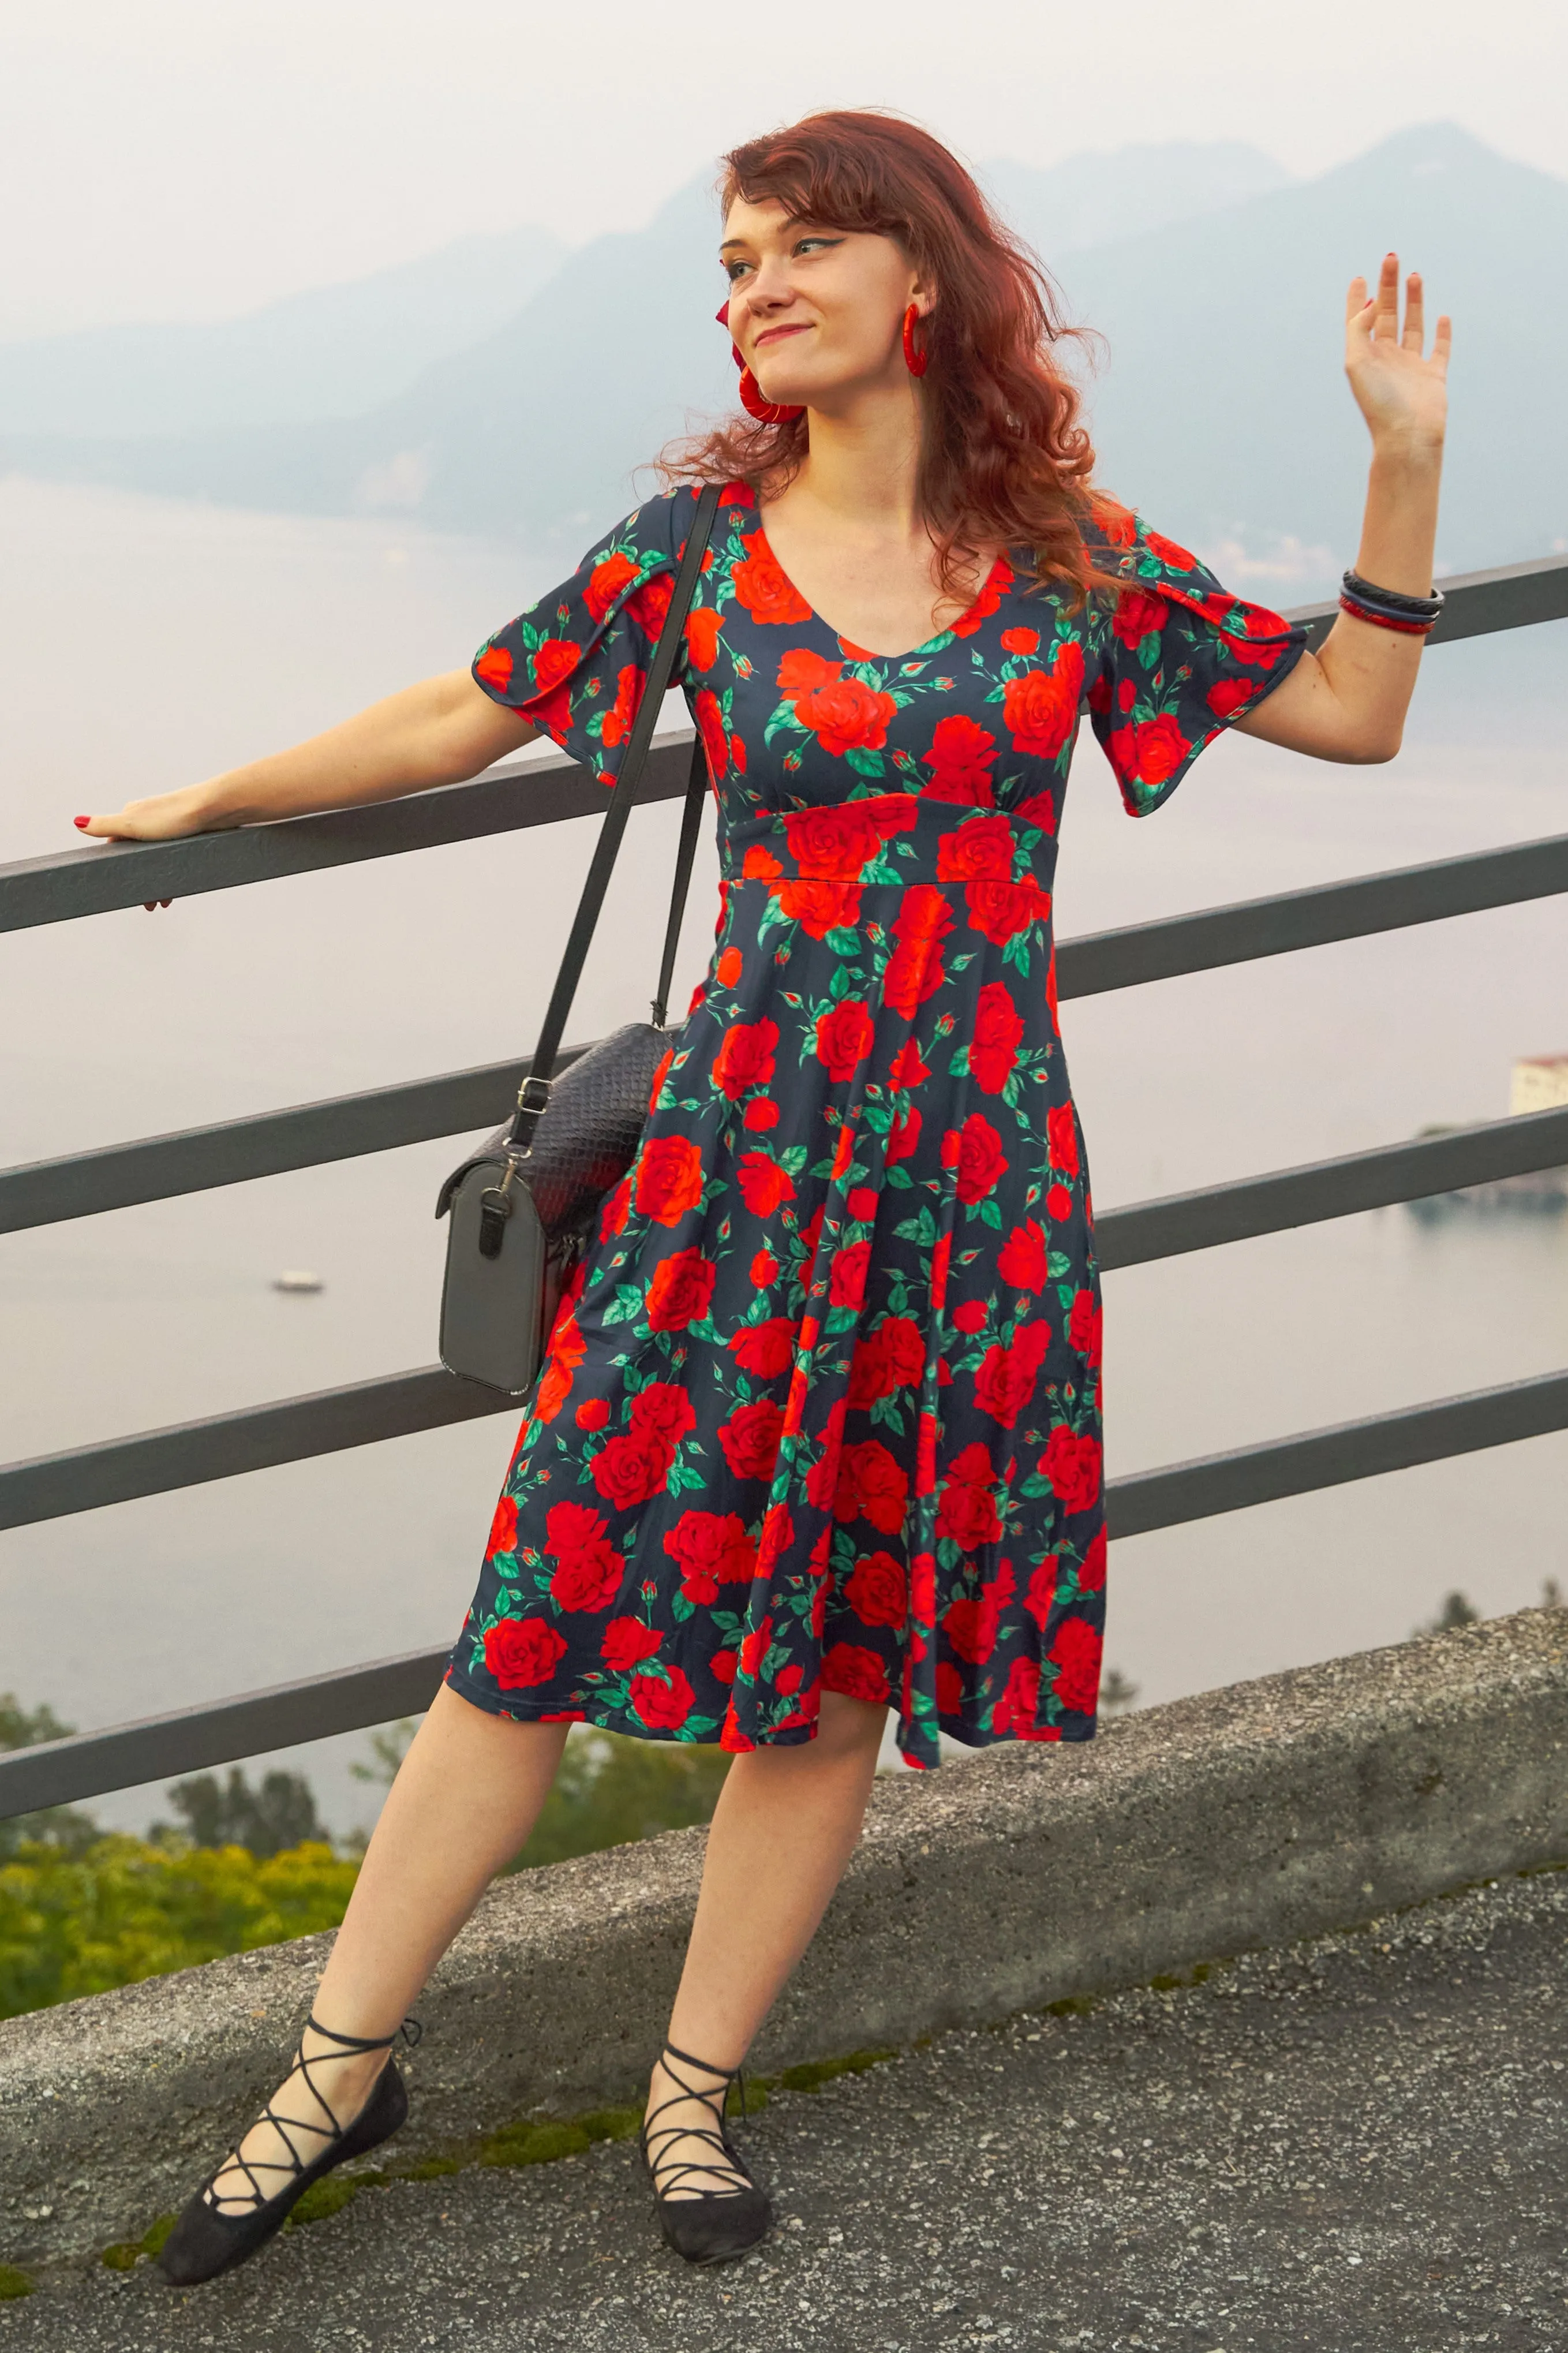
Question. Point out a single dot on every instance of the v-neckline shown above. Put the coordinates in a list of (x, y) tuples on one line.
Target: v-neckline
[(865, 653)]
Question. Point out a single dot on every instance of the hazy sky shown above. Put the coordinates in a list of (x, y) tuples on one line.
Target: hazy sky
[(190, 158)]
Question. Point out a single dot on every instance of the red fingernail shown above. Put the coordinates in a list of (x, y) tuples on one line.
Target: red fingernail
[(82, 820)]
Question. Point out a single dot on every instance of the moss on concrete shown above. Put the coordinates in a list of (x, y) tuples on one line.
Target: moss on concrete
[(13, 2282)]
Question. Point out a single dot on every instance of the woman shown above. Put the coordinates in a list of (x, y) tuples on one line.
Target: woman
[(819, 1432)]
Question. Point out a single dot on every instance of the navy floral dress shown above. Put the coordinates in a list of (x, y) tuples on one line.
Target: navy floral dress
[(824, 1409)]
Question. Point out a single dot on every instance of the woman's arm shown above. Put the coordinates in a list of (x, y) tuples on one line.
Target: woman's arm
[(1348, 700), (440, 732)]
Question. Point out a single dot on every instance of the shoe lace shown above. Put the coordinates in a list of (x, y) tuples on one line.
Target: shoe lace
[(667, 2171), (297, 2161)]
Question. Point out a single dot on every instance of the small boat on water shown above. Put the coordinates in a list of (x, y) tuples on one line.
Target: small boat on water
[(295, 1278)]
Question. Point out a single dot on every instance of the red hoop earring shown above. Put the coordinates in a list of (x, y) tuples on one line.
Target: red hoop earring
[(766, 412), (916, 362)]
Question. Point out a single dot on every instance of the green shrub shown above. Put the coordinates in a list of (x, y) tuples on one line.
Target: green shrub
[(125, 1910), (611, 1790)]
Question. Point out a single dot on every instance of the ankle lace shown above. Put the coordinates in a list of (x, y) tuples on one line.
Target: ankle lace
[(255, 2195), (668, 2171)]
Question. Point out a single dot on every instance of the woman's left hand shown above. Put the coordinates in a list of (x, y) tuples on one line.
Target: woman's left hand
[(1403, 396)]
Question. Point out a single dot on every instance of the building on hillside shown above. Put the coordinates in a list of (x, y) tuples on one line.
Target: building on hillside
[(1540, 1082)]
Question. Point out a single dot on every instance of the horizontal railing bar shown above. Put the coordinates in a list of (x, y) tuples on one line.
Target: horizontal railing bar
[(1475, 603), (92, 880), (543, 791), (1250, 1206), (269, 1143), (1235, 1481), (87, 1765), (1251, 928), (262, 1437), (191, 1160), (257, 1437), (90, 1764)]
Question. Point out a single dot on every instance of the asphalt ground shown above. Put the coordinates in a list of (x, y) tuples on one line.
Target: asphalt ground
[(1357, 2145)]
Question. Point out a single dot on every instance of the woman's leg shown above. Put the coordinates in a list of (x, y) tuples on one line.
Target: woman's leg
[(785, 1825), (465, 1799)]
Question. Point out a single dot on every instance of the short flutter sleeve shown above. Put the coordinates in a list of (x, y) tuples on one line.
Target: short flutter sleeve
[(576, 661), (1180, 658)]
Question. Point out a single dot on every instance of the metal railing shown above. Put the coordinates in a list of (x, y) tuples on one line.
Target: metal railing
[(93, 880)]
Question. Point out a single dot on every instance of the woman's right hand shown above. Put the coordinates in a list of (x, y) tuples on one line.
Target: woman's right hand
[(162, 817)]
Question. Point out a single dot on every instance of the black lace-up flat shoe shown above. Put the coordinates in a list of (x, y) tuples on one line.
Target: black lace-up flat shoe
[(707, 2226), (208, 2239)]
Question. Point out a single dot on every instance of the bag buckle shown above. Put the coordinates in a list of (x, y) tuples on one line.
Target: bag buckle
[(537, 1101), (495, 1208)]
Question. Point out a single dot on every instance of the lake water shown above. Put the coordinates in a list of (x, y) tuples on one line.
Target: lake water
[(145, 644)]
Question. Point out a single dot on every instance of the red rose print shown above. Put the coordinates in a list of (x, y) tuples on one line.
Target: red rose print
[(763, 1184), (925, 1457), (592, 1414), (1149, 752), (617, 722), (1075, 1654), (1021, 1260), (967, 1512), (848, 716), (1071, 1463), (765, 1349), (617, 1209), (871, 1486), (629, 1468), (1006, 1380), (982, 847), (787, 1681), (1085, 1325), (949, 1690), (1091, 1568), (1176, 558), (870, 1374), (961, 757), (669, 1178), (1062, 1139), (681, 1291), (914, 971), (1059, 1204), (760, 1114), (664, 1410), (777, 1535), (904, 1347), (494, 667), (832, 844), (1228, 694), (723, 1664), (764, 1266), (803, 672), (751, 1439), (1015, 1711), (626, 1642), (710, 717), (746, 1059), (655, 1087), (985, 603), (999, 911), (759, 865), (970, 1626), (1040, 709), (523, 1650), (662, 1703), (503, 1527), (768, 594), (754, 1649), (1020, 641), (875, 1590), (589, 1579), (567, 1347), (858, 1674), (847, 1276), (971, 1316), (820, 907), (843, 1038), (554, 660), (702, 628), (939, 1265), (904, 1136), (727, 971), (712, 1549), (993, 1047), (1040, 1598), (980, 1160), (605, 583), (1138, 612), (908, 1070), (861, 1204)]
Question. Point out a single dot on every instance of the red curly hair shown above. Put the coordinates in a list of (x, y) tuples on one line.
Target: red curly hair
[(1005, 462)]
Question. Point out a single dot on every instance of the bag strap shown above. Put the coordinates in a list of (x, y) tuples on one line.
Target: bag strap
[(534, 1094), (685, 856)]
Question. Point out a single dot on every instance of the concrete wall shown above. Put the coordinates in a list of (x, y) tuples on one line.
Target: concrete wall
[(1246, 1817)]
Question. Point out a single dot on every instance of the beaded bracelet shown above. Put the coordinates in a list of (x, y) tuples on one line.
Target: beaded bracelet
[(1390, 609)]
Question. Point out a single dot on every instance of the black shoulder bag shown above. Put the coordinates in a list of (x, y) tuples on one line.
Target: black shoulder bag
[(521, 1207)]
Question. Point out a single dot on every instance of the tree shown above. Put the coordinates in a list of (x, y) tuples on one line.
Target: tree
[(63, 1827), (1456, 1611), (1116, 1693), (267, 1821)]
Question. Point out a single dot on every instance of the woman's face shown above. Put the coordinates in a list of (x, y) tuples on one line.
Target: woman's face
[(817, 313)]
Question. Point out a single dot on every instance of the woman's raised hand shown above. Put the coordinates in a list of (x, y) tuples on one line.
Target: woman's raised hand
[(1402, 395), (163, 817)]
